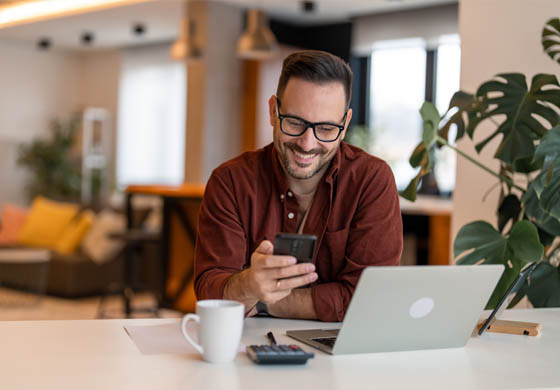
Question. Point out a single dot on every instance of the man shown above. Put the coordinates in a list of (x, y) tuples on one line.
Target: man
[(308, 181)]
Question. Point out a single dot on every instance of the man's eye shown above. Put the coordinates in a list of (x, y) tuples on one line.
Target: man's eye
[(294, 122), (327, 128)]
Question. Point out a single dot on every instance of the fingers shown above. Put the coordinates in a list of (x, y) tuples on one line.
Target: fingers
[(296, 281), (292, 270), (265, 248)]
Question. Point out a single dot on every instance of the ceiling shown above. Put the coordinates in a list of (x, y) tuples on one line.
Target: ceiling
[(113, 27)]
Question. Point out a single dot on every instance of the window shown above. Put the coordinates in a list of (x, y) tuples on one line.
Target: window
[(151, 122), (398, 89)]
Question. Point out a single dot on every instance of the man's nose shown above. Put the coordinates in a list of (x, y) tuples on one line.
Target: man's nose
[(307, 140)]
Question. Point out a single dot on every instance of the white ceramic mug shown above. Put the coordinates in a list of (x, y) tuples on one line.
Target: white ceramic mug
[(220, 324)]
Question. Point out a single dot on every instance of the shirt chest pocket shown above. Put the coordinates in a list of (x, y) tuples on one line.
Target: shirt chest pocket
[(331, 253)]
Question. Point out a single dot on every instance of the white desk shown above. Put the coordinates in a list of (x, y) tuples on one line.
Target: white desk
[(100, 355)]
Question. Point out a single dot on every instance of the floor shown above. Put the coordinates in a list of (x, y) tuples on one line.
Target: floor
[(17, 306)]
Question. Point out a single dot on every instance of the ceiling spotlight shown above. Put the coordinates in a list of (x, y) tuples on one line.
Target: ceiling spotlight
[(257, 41), (44, 43), (87, 38), (308, 6), (139, 29)]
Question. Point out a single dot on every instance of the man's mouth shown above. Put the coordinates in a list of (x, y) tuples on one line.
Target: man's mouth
[(304, 156)]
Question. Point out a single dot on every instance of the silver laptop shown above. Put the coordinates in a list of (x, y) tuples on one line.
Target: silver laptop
[(409, 308)]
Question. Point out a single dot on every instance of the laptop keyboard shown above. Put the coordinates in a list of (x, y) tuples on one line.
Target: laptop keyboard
[(328, 341)]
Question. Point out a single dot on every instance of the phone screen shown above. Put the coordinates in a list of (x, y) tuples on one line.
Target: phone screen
[(301, 246)]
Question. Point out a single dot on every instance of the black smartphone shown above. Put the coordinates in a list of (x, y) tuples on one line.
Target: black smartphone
[(508, 296), (301, 246)]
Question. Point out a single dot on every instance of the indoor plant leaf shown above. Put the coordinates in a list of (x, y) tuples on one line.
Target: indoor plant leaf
[(508, 95), (424, 154), (549, 145), (465, 103), (543, 289), (490, 247), (537, 214), (509, 210), (550, 39)]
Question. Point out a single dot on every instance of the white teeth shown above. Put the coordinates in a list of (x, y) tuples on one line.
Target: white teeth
[(304, 156)]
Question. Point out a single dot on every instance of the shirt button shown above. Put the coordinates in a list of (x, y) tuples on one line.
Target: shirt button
[(282, 196), (290, 194), (291, 215)]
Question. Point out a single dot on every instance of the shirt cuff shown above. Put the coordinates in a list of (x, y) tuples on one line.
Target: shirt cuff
[(328, 302)]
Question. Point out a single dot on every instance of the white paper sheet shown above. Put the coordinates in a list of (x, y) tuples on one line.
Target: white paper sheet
[(164, 339)]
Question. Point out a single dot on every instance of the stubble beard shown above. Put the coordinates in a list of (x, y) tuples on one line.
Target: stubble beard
[(282, 150)]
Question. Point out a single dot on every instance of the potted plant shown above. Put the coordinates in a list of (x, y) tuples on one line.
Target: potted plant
[(528, 213)]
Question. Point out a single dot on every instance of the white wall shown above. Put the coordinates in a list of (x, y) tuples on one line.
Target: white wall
[(35, 87), (99, 87), (38, 86), (496, 36)]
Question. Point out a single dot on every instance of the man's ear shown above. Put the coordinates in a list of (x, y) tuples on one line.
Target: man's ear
[(348, 117), (272, 110)]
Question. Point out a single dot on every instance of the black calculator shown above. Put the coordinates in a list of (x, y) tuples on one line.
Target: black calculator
[(278, 354)]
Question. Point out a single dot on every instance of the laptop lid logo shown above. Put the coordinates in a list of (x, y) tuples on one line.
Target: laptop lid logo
[(421, 308)]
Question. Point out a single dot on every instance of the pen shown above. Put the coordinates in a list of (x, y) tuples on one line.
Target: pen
[(271, 338)]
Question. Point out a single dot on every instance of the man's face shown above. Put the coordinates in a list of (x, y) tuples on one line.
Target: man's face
[(304, 156)]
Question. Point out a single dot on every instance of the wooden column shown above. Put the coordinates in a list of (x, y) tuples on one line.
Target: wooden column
[(250, 74)]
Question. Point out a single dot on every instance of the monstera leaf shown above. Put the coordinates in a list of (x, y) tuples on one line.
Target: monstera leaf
[(424, 154), (488, 246), (547, 184), (550, 39), (543, 288), (508, 95)]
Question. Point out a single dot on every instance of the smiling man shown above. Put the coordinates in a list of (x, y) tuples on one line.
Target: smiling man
[(308, 181)]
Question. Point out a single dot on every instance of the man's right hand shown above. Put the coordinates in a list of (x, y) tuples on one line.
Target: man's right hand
[(270, 277)]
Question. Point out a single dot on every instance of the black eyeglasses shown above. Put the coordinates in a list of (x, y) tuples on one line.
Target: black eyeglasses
[(295, 126)]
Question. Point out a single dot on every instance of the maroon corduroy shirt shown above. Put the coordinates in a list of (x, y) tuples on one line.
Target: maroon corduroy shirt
[(355, 215)]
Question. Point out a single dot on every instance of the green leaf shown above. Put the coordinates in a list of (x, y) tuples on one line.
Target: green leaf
[(508, 210), (537, 214), (464, 102), (409, 192), (488, 243), (546, 186), (549, 145), (417, 155), (550, 39), (424, 153), (524, 242), (527, 165), (544, 286), (508, 95), (490, 247), (431, 118)]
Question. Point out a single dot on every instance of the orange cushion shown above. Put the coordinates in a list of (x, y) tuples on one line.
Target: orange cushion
[(46, 222), (13, 218)]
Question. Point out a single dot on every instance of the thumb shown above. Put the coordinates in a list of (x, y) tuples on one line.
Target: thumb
[(265, 248)]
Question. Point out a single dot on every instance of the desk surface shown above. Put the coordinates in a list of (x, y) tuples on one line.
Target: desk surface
[(100, 355)]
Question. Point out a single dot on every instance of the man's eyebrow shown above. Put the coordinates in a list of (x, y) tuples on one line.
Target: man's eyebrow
[(325, 122)]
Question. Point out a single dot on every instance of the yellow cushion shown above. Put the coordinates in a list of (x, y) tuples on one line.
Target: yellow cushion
[(74, 233), (45, 222)]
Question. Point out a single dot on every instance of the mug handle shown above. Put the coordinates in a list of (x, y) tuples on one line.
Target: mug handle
[(186, 319)]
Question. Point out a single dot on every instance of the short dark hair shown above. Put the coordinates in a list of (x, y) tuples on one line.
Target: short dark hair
[(318, 67)]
